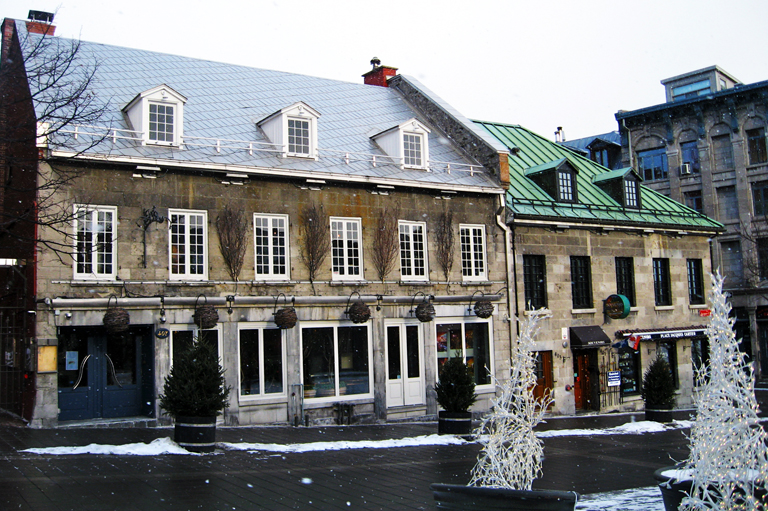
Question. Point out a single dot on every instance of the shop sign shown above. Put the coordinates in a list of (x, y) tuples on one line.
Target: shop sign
[(705, 313), (616, 306), (162, 333), (614, 378)]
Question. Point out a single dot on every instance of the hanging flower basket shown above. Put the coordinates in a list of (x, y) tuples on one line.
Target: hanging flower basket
[(483, 309), (116, 320), (205, 315), (286, 318), (359, 312), (425, 312)]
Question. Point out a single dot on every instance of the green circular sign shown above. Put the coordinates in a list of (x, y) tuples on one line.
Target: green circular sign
[(617, 306)]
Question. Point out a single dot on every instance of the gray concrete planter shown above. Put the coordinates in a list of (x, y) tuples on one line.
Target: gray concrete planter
[(473, 498)]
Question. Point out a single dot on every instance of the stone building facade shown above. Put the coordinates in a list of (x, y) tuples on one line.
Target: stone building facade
[(622, 270), (706, 148), (176, 154)]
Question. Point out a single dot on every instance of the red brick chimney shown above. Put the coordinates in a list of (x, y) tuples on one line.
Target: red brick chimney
[(40, 22), (379, 74)]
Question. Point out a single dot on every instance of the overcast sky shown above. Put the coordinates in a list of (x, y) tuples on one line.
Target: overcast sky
[(541, 64)]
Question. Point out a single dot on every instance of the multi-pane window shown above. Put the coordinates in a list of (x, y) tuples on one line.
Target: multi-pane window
[(691, 90), (271, 245), (722, 152), (336, 361), (727, 203), (762, 258), (346, 248), (695, 282), (187, 247), (756, 146), (261, 353), (581, 282), (472, 240), (693, 200), (161, 122), (298, 137), (625, 278), (566, 191), (631, 197), (652, 164), (668, 351), (412, 151), (690, 155), (413, 251), (731, 262), (535, 281), (760, 198), (95, 247), (470, 341), (661, 284)]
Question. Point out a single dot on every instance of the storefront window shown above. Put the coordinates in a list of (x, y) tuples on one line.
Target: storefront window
[(336, 361), (668, 351), (471, 341), (631, 376), (261, 361)]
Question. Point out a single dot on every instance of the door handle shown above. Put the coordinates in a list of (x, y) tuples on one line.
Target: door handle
[(80, 376), (112, 368)]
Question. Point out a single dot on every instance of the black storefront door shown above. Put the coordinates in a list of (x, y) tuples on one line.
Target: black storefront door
[(104, 376)]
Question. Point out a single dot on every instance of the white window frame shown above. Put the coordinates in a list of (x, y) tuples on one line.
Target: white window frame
[(275, 127), (344, 237), (470, 251), (464, 321), (415, 161), (408, 253), (172, 124), (195, 332), (392, 142), (186, 274), (271, 274), (309, 138), (138, 113), (631, 195), (92, 213), (337, 362), (261, 327)]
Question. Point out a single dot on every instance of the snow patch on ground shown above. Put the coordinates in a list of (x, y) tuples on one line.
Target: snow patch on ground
[(154, 448), (630, 428), (337, 446)]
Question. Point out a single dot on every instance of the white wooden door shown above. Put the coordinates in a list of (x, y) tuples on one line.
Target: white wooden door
[(405, 372)]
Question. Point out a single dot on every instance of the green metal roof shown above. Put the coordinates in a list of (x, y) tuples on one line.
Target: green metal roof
[(538, 169), (615, 174), (532, 152)]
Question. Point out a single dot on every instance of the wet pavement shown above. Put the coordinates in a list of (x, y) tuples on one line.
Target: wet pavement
[(392, 478)]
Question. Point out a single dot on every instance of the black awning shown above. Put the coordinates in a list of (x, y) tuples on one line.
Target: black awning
[(588, 337)]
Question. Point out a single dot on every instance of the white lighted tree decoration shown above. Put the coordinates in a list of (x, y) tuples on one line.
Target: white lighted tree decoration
[(512, 456), (728, 460)]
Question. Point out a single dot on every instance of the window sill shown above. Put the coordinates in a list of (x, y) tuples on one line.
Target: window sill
[(262, 400), (697, 306), (664, 307), (545, 311), (583, 311)]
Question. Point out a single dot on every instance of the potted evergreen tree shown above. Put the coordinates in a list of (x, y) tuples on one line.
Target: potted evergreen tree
[(658, 391), (195, 394), (511, 458), (455, 394)]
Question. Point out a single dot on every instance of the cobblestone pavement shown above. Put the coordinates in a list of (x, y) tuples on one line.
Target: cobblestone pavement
[(392, 478)]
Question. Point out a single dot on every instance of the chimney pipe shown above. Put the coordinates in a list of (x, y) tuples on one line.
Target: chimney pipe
[(40, 22), (379, 74)]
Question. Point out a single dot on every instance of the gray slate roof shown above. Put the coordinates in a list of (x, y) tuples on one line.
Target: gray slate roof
[(225, 101)]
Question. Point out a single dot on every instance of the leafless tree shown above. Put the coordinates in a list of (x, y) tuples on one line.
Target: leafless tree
[(316, 243), (385, 242), (46, 85), (754, 247), (445, 242), (232, 228)]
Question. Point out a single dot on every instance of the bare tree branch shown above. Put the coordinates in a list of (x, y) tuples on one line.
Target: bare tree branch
[(386, 243), (317, 240), (232, 228), (445, 242)]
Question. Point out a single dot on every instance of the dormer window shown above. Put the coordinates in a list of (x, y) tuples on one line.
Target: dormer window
[(623, 186), (407, 144), (293, 130), (557, 178), (157, 116)]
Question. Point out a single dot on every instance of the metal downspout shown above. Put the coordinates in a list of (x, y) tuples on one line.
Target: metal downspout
[(508, 247)]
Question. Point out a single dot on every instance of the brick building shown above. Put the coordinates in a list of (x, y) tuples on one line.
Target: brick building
[(182, 146), (706, 148), (622, 268)]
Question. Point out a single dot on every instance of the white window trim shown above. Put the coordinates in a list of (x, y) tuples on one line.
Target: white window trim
[(92, 210), (336, 325), (424, 150), (392, 142), (195, 332), (137, 112), (186, 275), (465, 321), (410, 225), (484, 275), (275, 127), (312, 137), (272, 275), (261, 326), (347, 277)]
